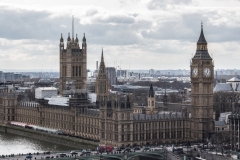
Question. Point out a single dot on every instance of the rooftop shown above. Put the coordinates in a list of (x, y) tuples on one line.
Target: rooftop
[(234, 79), (223, 87), (220, 123), (46, 88)]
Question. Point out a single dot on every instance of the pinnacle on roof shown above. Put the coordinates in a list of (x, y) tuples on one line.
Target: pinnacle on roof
[(69, 39), (201, 39), (84, 39), (102, 59), (151, 92), (61, 39), (76, 40), (102, 65), (165, 97)]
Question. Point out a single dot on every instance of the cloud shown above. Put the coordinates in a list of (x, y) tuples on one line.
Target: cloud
[(29, 24), (115, 19), (167, 4), (63, 26), (91, 12), (28, 54), (186, 26), (144, 36)]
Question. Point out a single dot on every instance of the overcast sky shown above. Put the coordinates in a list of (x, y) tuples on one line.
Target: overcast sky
[(134, 34)]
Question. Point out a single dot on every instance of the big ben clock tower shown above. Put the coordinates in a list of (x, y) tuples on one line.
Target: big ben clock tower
[(202, 78)]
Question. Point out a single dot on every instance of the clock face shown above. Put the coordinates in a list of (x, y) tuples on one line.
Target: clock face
[(195, 72), (207, 72)]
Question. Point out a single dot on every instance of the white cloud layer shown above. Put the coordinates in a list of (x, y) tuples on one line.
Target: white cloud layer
[(134, 34)]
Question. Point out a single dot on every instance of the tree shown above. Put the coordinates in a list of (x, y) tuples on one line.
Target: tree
[(20, 97), (31, 96), (224, 102), (174, 98)]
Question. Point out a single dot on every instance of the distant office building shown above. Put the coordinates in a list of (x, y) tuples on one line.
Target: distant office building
[(45, 92), (17, 76), (121, 73), (8, 76), (111, 73), (1, 76), (151, 71), (91, 82)]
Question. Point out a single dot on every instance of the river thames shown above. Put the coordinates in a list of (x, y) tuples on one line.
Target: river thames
[(14, 144)]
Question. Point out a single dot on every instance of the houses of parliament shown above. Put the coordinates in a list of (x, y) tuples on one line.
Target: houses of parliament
[(114, 119)]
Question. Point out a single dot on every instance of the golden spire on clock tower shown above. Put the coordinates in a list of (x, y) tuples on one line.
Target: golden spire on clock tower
[(202, 49)]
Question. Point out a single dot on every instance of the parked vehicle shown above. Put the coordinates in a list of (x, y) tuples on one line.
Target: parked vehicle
[(137, 149), (156, 149), (127, 150), (118, 150), (63, 155), (87, 153), (105, 149), (28, 157), (146, 149), (48, 152), (73, 153)]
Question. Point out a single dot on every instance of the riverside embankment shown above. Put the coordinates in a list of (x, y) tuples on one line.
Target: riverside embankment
[(48, 137)]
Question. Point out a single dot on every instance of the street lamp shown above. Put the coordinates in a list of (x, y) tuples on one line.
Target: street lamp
[(188, 144), (230, 99), (203, 138), (125, 156)]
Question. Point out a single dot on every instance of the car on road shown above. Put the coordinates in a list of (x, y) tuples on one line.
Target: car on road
[(118, 150), (86, 153), (63, 155), (28, 157), (73, 153), (146, 149), (137, 149), (83, 151), (156, 149), (104, 153), (127, 150)]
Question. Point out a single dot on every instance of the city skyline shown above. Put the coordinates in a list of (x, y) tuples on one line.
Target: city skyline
[(133, 34)]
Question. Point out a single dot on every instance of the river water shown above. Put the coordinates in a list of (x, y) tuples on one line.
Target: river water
[(14, 144)]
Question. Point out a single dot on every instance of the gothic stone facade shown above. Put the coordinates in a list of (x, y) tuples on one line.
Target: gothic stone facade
[(73, 63), (112, 124)]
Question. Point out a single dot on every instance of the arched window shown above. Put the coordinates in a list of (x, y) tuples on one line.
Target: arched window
[(76, 71), (128, 116), (122, 116), (72, 70), (79, 71)]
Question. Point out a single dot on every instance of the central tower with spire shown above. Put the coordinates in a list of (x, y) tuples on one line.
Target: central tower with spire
[(73, 62), (102, 83), (202, 81)]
